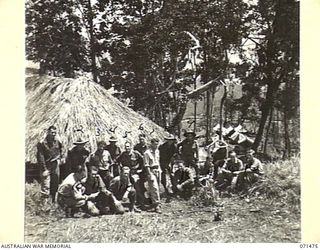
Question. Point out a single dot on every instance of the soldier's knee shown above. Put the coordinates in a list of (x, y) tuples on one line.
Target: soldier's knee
[(132, 192), (117, 208), (92, 209)]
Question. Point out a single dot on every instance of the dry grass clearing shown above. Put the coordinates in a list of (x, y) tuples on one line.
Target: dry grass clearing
[(271, 213)]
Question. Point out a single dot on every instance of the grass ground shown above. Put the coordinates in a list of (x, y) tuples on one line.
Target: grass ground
[(271, 213)]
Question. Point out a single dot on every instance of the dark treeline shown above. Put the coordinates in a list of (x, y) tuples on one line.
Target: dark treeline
[(153, 51)]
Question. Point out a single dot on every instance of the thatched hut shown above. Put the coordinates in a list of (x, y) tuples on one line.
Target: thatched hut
[(79, 106)]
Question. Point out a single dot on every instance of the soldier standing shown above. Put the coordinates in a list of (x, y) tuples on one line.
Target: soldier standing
[(167, 151), (152, 166), (189, 152), (76, 155), (115, 152), (141, 147), (101, 158), (49, 154)]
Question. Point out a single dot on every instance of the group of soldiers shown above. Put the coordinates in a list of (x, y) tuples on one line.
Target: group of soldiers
[(109, 179)]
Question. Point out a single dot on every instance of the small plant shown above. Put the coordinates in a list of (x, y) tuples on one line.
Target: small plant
[(206, 195)]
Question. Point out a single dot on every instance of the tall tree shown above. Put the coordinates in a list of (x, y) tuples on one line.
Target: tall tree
[(53, 37), (274, 26), (280, 55), (152, 50)]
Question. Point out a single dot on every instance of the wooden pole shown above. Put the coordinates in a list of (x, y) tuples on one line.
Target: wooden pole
[(221, 111), (194, 87)]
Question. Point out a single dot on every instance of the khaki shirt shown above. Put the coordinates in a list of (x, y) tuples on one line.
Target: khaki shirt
[(151, 158), (102, 161), (70, 188), (233, 166), (256, 166)]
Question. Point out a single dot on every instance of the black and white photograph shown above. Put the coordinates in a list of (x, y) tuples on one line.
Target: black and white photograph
[(162, 121)]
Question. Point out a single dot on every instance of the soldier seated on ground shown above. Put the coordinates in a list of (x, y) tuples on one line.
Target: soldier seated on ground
[(122, 188), (72, 195), (218, 151), (183, 180), (229, 172), (253, 171)]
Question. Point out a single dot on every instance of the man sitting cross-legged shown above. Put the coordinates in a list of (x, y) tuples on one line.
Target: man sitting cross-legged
[(122, 188)]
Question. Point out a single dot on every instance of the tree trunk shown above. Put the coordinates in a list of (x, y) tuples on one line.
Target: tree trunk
[(268, 131), (208, 97), (208, 116), (43, 68), (266, 107), (221, 111), (179, 130), (286, 135), (92, 43), (213, 91), (195, 104), (163, 116), (178, 117), (273, 82)]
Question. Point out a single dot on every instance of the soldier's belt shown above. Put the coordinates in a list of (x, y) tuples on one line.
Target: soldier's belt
[(104, 168), (154, 167)]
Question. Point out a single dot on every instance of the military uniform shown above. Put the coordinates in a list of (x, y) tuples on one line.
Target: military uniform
[(141, 148), (48, 156), (189, 152), (115, 152), (152, 165), (104, 201), (166, 151), (219, 153), (119, 189), (103, 161), (71, 192), (227, 175), (95, 200), (134, 161), (185, 179), (94, 184), (75, 157), (253, 172)]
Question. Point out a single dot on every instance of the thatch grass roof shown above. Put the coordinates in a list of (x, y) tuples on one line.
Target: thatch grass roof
[(71, 103)]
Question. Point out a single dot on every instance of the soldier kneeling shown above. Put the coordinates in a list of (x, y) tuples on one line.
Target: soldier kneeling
[(72, 194), (122, 188), (183, 180)]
